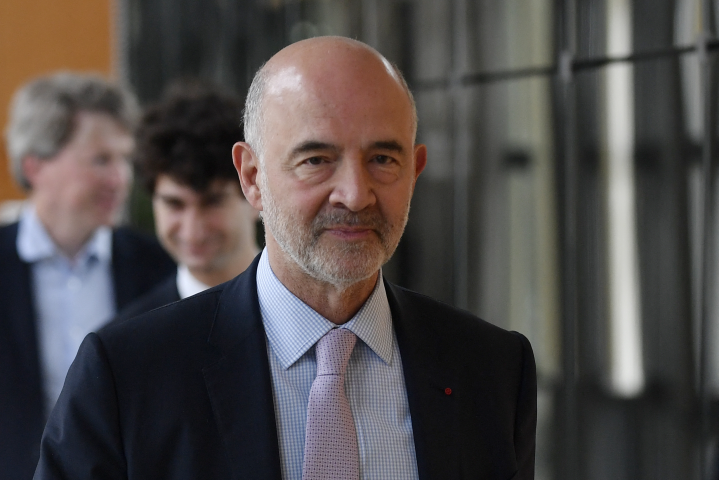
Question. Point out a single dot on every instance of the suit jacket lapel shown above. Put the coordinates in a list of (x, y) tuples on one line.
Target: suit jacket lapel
[(239, 382), (121, 274), (138, 265), (167, 291), (432, 391), (20, 302), (21, 409)]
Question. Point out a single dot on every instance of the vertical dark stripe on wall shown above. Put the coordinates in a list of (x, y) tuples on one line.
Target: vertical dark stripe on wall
[(567, 456)]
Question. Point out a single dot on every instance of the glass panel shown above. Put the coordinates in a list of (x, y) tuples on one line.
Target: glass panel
[(646, 163), (312, 18), (506, 35), (622, 27), (432, 40), (506, 131), (223, 41), (220, 41), (708, 332), (387, 26), (424, 258), (507, 134)]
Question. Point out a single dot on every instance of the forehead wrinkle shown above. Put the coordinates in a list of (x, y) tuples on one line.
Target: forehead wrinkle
[(312, 146), (391, 145)]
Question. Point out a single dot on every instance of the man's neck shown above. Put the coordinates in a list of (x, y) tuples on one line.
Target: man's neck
[(228, 270), (68, 236), (336, 304)]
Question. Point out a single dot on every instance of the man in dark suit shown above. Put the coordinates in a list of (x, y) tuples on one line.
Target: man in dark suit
[(63, 271), (183, 153), (255, 378)]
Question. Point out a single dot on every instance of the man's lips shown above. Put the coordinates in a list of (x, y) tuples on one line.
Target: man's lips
[(195, 249), (350, 233), (108, 204), (112, 196)]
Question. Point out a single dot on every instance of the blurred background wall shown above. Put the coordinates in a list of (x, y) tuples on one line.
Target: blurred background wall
[(570, 191), (40, 36)]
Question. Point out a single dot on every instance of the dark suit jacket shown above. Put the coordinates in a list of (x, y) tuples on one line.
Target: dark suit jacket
[(184, 392), (138, 263), (166, 292)]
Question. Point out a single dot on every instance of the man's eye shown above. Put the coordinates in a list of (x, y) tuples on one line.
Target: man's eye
[(314, 161), (382, 159), (213, 202), (101, 160)]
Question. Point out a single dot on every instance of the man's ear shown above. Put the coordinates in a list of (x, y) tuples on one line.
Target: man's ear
[(420, 159), (31, 167), (247, 166)]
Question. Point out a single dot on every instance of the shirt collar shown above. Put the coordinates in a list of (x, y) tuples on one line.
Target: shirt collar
[(34, 243), (293, 327), (187, 284)]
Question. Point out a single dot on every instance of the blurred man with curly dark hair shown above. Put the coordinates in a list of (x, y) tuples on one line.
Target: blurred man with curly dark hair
[(184, 156)]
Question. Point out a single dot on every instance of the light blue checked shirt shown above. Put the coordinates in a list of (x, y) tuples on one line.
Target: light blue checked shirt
[(73, 297), (374, 381)]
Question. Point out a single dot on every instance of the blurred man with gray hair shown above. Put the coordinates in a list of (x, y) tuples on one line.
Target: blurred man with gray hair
[(64, 270)]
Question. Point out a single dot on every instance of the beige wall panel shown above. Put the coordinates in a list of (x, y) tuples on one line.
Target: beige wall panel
[(39, 36)]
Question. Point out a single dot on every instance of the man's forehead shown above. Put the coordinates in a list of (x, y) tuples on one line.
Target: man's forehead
[(336, 122), (326, 63), (90, 125), (338, 87), (287, 80), (217, 186), (321, 95)]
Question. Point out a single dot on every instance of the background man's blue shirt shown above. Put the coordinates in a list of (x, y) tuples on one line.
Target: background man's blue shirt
[(72, 296)]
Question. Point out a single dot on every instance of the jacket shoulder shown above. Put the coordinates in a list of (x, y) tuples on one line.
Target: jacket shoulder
[(138, 263), (186, 325), (455, 336), (8, 240), (163, 294), (447, 320), (12, 268), (160, 343), (191, 317)]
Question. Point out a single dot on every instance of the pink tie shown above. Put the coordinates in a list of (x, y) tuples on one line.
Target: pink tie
[(331, 451)]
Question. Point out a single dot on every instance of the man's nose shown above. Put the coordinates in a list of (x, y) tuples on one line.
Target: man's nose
[(353, 186), (192, 228), (119, 173)]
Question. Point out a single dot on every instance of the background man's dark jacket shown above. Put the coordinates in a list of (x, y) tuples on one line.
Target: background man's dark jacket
[(164, 293), (138, 264), (184, 392)]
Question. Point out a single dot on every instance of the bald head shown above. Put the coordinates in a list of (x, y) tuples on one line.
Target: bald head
[(330, 160), (332, 66)]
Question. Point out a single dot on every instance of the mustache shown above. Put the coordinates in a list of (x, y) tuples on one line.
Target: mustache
[(371, 219)]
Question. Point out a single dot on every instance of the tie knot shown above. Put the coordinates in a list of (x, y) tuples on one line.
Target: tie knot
[(334, 350)]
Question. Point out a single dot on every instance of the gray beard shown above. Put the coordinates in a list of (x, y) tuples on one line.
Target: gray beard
[(341, 265)]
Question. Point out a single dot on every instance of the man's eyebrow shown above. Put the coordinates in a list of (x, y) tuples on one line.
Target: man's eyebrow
[(168, 197), (388, 145), (315, 145), (312, 146), (213, 196)]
